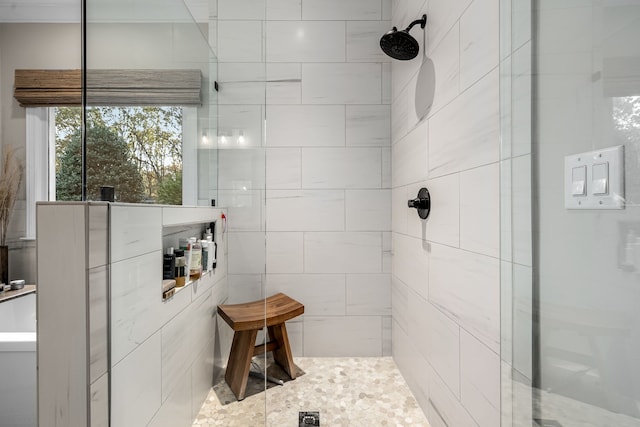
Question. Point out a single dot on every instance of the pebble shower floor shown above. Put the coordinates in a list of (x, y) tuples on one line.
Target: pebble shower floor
[(348, 392)]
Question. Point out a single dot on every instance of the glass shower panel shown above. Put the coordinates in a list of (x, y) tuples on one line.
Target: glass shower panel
[(239, 46), (150, 74), (570, 322), (515, 189)]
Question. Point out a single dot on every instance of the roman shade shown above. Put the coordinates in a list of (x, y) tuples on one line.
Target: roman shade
[(45, 88)]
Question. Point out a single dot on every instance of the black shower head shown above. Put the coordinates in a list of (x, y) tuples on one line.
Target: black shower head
[(400, 44)]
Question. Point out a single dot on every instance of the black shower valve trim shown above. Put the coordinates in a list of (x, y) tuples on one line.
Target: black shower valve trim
[(422, 203)]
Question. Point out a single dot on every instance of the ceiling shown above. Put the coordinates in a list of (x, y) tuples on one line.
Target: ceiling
[(69, 10)]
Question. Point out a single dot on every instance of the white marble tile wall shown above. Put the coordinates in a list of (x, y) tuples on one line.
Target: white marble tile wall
[(100, 402), (446, 270), (325, 170), (162, 351), (136, 385)]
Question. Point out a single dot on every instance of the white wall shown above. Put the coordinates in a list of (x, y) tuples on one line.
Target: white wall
[(318, 177), (28, 46), (446, 271)]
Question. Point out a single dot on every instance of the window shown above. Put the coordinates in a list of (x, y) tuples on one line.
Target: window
[(137, 150)]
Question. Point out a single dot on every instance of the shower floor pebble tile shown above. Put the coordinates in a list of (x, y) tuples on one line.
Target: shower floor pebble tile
[(348, 392)]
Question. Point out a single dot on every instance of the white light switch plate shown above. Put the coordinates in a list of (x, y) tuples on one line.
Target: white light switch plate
[(613, 158)]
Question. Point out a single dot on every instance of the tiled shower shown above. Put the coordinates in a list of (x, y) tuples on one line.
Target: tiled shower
[(344, 151), (319, 149), (324, 199)]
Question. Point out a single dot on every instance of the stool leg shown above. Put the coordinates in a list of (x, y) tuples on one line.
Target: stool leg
[(239, 363), (282, 354)]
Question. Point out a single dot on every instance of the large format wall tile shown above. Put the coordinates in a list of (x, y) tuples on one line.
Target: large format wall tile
[(351, 336), (479, 41), (59, 355), (239, 41), (245, 288), (368, 125), (305, 41), (321, 294), (341, 168), (400, 304), (246, 252), (284, 252), (446, 62), (466, 286), (350, 83), (240, 83), (399, 116), (347, 252), (399, 208), (284, 9), (368, 210), (134, 231), (443, 224), (444, 408), (98, 336), (232, 118), (305, 126), (241, 168), (247, 9), (98, 235), (341, 9), (442, 344), (480, 227), (284, 168), (201, 377), (176, 336), (136, 305), (466, 133), (363, 41), (136, 385), (368, 294), (305, 210), (100, 402), (409, 156), (176, 410), (284, 83), (480, 380), (442, 16), (244, 209), (410, 263)]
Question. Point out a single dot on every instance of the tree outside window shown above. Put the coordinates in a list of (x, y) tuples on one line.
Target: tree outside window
[(137, 150)]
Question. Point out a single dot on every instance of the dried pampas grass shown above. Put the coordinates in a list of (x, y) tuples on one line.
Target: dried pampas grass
[(10, 180)]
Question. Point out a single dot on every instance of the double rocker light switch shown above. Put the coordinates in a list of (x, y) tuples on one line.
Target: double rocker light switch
[(595, 180)]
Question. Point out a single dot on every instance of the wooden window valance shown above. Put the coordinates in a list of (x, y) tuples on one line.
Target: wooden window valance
[(46, 88)]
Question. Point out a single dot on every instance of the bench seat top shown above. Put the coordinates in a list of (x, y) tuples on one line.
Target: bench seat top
[(274, 310)]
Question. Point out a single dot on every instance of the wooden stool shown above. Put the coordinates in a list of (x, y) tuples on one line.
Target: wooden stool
[(246, 320)]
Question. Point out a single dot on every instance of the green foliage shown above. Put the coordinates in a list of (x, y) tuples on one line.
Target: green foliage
[(153, 139), (108, 163), (170, 190)]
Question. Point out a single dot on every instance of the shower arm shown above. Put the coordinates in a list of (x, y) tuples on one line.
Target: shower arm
[(422, 21)]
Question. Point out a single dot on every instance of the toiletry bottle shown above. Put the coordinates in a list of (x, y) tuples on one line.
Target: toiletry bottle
[(195, 265), (205, 255), (180, 272), (169, 265)]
